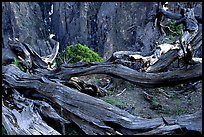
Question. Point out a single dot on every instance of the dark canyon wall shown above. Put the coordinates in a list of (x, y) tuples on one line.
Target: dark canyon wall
[(103, 26)]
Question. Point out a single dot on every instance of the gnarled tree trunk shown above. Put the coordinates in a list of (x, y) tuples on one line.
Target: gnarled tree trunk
[(38, 101), (92, 115)]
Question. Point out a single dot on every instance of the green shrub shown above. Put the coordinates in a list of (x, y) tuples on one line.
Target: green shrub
[(17, 63), (78, 52), (176, 31)]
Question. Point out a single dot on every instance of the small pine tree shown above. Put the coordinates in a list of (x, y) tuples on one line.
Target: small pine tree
[(78, 52)]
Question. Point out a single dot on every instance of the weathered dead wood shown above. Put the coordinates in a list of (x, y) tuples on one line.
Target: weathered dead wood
[(48, 111), (147, 63), (134, 60), (82, 86), (49, 59), (93, 115), (164, 61), (197, 40), (28, 54), (25, 120), (145, 60), (136, 65), (21, 52), (121, 55), (31, 58), (178, 76), (197, 60)]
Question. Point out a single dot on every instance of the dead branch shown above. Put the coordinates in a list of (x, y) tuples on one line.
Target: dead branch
[(144, 79), (93, 115), (24, 119), (164, 61)]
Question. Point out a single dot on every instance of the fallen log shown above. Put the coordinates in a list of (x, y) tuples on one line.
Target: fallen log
[(178, 76), (93, 115), (152, 63), (24, 119), (66, 71)]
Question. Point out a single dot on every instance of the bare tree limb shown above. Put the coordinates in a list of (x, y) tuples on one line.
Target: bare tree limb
[(93, 115)]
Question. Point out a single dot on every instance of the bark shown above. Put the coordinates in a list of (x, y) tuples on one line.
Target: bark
[(175, 77), (30, 58), (164, 61), (66, 71), (82, 86), (93, 115), (197, 44), (41, 101), (23, 119), (121, 55), (46, 93)]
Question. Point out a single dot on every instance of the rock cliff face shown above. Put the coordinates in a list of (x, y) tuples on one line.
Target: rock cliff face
[(23, 20), (103, 26)]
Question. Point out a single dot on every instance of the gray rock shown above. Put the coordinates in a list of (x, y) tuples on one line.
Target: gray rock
[(23, 20), (105, 27)]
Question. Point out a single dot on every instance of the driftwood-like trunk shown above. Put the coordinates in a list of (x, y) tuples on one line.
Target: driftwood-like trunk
[(24, 119), (40, 100), (92, 115), (31, 100), (144, 79)]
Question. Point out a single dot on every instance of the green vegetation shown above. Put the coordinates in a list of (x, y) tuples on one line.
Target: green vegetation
[(17, 63), (177, 29), (177, 110), (78, 52), (114, 101), (174, 31)]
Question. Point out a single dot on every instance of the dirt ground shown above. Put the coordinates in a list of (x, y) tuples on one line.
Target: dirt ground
[(150, 102)]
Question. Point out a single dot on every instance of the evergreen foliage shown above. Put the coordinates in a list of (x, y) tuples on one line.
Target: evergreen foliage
[(176, 31), (78, 52)]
